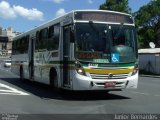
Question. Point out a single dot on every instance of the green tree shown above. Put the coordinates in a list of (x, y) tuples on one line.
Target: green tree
[(116, 5), (147, 20)]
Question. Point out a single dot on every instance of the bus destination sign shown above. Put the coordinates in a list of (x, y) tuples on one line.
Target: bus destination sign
[(104, 17)]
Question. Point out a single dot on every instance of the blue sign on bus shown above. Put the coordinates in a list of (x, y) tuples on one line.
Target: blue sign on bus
[(115, 57)]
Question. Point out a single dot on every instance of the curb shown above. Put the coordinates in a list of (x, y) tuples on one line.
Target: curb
[(154, 76)]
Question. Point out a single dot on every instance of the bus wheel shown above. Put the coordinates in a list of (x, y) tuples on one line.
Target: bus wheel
[(21, 74), (53, 79)]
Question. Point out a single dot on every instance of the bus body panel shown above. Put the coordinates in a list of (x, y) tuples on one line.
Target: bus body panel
[(85, 83), (63, 60)]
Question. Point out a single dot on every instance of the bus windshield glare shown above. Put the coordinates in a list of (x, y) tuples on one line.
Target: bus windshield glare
[(103, 43)]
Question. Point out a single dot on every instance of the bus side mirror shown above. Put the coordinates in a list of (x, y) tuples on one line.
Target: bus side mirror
[(72, 36)]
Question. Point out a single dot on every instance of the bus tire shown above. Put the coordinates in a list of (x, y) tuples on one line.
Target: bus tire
[(53, 79), (21, 74)]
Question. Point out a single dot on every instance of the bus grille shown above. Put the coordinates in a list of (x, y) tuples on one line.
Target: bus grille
[(108, 76)]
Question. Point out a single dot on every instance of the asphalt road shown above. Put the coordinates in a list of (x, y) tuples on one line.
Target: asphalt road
[(18, 97)]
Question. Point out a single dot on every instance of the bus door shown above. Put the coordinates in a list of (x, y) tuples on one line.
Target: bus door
[(31, 58), (66, 56)]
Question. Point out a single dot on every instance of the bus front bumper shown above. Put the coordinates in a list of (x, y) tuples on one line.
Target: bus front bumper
[(86, 83)]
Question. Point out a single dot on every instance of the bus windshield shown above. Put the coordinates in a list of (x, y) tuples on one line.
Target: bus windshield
[(102, 43)]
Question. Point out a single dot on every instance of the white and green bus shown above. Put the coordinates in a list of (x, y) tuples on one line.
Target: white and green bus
[(81, 50)]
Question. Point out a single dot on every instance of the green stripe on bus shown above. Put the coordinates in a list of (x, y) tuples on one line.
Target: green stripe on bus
[(111, 65), (61, 62)]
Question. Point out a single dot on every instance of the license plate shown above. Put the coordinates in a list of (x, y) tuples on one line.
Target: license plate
[(110, 84)]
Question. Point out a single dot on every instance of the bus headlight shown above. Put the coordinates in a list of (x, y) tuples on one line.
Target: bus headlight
[(79, 69), (135, 70)]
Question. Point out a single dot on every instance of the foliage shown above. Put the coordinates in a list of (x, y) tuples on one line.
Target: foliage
[(147, 21), (116, 5)]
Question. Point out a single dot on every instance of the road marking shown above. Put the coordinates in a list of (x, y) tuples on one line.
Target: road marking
[(134, 92), (157, 95), (7, 90), (140, 93)]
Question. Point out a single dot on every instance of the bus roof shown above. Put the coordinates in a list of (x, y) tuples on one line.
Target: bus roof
[(68, 14), (93, 10)]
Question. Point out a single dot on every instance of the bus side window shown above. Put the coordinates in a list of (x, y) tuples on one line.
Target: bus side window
[(22, 46), (43, 36), (56, 36), (50, 38), (37, 39), (18, 46), (13, 47), (53, 37), (26, 43), (15, 50)]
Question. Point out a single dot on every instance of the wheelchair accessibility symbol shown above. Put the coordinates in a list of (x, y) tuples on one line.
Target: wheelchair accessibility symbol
[(115, 57)]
